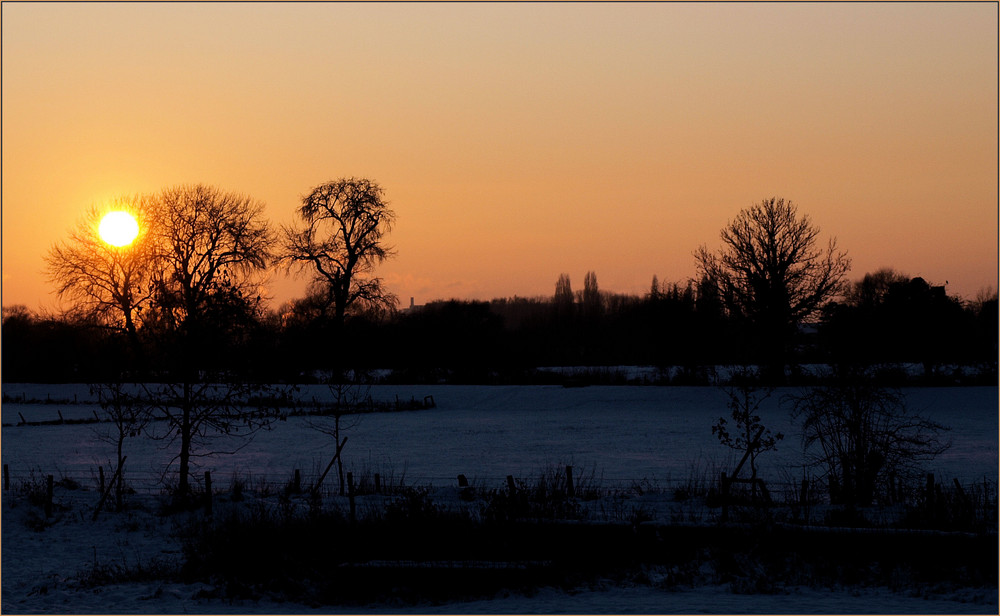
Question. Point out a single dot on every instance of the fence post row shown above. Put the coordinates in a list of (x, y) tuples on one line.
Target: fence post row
[(932, 494)]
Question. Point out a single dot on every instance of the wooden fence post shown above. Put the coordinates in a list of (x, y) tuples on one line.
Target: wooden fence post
[(297, 482), (510, 485), (104, 495), (570, 491), (464, 491), (208, 493), (965, 501), (48, 498), (350, 494), (120, 492), (319, 482), (6, 477)]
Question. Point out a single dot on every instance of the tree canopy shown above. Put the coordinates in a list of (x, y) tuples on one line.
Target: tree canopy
[(772, 271)]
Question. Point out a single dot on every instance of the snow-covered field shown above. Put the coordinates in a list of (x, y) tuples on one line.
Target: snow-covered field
[(620, 436), (623, 434)]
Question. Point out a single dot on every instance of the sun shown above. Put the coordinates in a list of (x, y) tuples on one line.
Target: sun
[(118, 228)]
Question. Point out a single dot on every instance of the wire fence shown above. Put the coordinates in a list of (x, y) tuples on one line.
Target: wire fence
[(586, 484)]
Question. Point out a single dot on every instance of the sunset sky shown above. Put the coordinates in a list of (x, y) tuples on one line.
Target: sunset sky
[(518, 141)]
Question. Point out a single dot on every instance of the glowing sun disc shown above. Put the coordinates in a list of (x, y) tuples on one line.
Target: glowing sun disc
[(118, 228)]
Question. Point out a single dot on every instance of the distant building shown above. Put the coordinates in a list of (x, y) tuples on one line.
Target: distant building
[(412, 307)]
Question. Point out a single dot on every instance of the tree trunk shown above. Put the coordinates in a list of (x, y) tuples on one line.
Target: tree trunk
[(183, 488), (119, 484)]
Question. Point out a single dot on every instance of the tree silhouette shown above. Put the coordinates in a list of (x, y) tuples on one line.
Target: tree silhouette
[(771, 272), (340, 242), (747, 434), (591, 297), (860, 434), (128, 416), (563, 298), (106, 283), (873, 289), (210, 245)]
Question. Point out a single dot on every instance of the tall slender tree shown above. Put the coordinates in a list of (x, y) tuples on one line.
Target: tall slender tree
[(563, 299)]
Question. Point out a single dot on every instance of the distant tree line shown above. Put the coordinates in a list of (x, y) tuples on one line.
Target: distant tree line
[(183, 303), (886, 318)]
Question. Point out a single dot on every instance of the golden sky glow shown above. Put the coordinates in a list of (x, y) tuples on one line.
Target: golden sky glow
[(518, 141)]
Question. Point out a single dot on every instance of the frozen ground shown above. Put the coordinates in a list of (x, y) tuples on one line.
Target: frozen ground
[(623, 435), (46, 572)]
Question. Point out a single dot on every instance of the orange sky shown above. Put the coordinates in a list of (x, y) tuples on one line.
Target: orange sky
[(518, 141)]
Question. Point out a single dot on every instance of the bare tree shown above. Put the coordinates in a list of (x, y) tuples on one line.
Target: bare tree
[(102, 282), (771, 271), (210, 245), (351, 390), (128, 416), (205, 419), (748, 434), (193, 272), (340, 242), (861, 434)]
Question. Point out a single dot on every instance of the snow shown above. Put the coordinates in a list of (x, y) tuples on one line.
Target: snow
[(42, 573), (613, 436), (623, 434)]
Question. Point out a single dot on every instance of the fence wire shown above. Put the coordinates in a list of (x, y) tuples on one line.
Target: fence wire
[(585, 484)]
